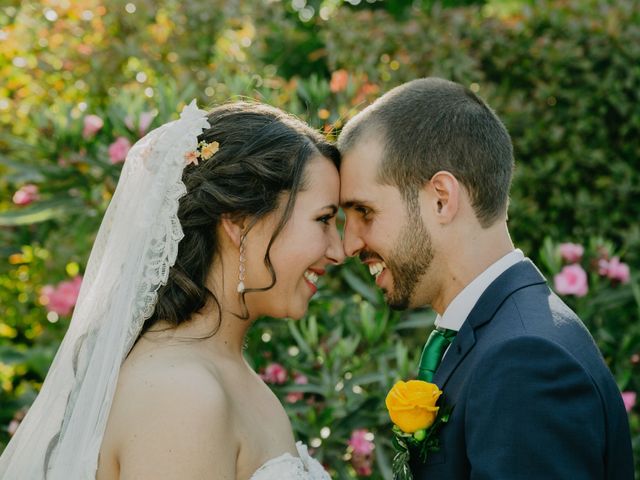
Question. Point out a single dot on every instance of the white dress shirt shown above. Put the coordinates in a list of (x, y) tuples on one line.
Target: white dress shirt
[(460, 307)]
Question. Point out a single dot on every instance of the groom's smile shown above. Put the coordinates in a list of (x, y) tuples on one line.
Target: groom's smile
[(393, 242), (377, 266)]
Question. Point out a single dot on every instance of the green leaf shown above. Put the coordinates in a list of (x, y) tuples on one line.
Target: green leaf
[(417, 319), (11, 355), (39, 212), (357, 284), (302, 344)]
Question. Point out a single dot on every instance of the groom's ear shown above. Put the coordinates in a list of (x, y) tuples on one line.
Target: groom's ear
[(234, 228), (444, 196)]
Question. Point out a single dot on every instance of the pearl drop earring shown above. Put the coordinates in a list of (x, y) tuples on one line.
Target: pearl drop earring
[(241, 268)]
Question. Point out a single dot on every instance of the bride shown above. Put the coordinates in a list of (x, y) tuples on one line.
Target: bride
[(217, 219)]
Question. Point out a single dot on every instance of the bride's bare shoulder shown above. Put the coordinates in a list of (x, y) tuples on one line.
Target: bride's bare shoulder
[(170, 410), (167, 379), (148, 359)]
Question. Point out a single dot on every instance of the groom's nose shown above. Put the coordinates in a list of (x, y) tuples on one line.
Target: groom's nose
[(352, 241)]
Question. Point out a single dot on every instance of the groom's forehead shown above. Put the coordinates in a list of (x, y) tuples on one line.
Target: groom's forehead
[(363, 157), (359, 173)]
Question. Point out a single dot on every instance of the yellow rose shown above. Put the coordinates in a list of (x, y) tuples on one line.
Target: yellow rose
[(412, 404)]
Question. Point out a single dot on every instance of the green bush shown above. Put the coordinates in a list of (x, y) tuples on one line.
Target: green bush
[(565, 79)]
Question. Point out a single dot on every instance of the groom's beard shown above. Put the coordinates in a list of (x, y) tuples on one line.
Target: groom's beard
[(409, 260)]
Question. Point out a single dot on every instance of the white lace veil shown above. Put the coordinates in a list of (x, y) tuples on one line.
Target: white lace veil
[(137, 243)]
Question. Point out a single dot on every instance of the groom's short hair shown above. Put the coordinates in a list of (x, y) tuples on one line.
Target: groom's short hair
[(431, 124)]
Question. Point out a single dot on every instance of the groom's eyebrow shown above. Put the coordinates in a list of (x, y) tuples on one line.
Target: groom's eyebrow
[(352, 203)]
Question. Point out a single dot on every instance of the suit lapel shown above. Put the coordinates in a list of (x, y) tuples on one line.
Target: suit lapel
[(521, 275)]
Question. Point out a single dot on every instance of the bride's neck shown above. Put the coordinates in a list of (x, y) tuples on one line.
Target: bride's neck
[(224, 317), (224, 337), (226, 334)]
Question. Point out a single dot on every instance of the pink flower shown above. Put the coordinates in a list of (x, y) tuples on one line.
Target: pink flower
[(614, 269), (16, 420), (144, 121), (361, 442), (191, 158), (62, 298), (362, 466), (603, 267), (26, 194), (274, 373), (293, 397), (629, 399), (339, 81), (361, 446), (118, 150), (13, 427), (92, 124), (571, 252), (572, 280)]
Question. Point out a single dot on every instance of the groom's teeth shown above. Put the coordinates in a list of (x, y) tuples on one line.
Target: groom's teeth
[(311, 276), (376, 269)]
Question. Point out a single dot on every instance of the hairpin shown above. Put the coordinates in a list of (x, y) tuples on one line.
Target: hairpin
[(204, 151)]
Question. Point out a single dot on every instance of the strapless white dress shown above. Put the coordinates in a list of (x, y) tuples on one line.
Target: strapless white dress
[(289, 467)]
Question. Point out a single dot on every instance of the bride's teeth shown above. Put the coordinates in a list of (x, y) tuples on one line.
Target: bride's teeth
[(311, 276)]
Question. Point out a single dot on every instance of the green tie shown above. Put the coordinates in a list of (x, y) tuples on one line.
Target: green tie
[(434, 349)]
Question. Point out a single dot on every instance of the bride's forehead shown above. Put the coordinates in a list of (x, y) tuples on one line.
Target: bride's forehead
[(320, 173)]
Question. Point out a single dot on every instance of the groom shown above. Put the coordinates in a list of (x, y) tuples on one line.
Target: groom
[(425, 178)]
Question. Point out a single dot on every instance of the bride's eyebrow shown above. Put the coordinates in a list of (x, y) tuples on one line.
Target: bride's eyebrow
[(332, 207)]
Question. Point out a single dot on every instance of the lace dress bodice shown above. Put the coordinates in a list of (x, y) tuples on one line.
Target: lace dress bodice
[(288, 467)]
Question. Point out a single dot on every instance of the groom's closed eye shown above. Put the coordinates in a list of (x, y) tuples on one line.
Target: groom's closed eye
[(362, 210), (357, 206)]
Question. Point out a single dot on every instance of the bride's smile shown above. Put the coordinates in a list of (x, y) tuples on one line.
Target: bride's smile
[(300, 254)]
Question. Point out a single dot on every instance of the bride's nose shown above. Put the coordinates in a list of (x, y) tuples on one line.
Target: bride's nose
[(335, 251)]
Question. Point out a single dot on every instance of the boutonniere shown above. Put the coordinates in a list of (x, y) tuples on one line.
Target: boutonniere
[(417, 419)]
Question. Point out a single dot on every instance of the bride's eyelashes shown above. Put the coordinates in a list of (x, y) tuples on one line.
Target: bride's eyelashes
[(326, 219)]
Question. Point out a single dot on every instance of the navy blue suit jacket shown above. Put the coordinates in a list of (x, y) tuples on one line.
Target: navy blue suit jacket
[(532, 397)]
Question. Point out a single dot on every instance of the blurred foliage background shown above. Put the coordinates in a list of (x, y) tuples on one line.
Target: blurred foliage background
[(84, 79)]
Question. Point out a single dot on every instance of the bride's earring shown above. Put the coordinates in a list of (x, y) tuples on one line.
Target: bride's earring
[(241, 268)]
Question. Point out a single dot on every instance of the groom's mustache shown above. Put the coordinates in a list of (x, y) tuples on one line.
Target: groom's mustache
[(367, 255)]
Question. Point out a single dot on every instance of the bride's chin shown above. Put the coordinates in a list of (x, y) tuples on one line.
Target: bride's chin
[(298, 313)]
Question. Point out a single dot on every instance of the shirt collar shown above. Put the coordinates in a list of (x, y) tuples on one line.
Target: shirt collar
[(461, 306)]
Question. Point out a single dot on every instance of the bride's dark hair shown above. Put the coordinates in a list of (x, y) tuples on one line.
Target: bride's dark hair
[(263, 153)]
